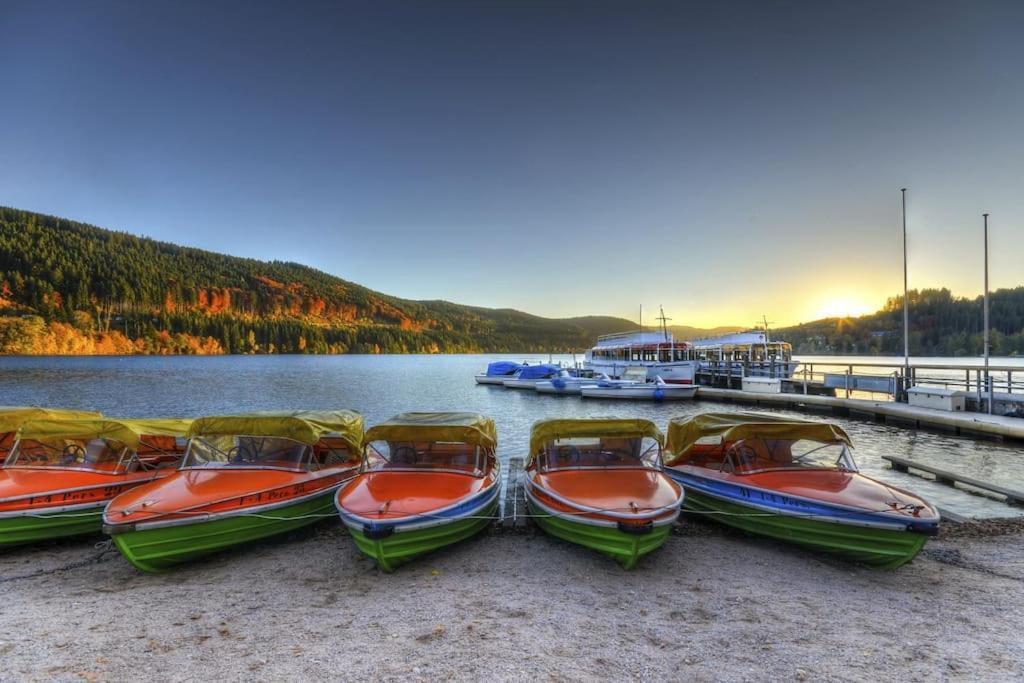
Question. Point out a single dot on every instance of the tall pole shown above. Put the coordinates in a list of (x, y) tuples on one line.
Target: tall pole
[(906, 303), (988, 381)]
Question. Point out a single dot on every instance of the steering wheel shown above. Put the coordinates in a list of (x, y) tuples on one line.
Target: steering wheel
[(72, 453), (569, 454), (405, 455), (745, 455)]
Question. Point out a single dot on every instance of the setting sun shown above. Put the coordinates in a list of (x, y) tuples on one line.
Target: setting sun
[(845, 307)]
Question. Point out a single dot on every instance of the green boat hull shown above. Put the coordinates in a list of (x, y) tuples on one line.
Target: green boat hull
[(626, 549), (401, 547), (883, 548), (161, 548), (44, 527)]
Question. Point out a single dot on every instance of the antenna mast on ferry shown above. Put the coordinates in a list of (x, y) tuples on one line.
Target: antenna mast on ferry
[(664, 320), (764, 319)]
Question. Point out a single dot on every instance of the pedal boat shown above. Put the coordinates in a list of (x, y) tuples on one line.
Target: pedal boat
[(600, 483), (795, 481), (60, 474), (13, 417), (243, 478), (428, 480)]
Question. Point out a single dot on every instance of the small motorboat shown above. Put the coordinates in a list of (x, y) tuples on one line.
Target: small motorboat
[(498, 371), (658, 390), (60, 474), (796, 481), (13, 417), (244, 477), (528, 377), (567, 385), (428, 480), (600, 483)]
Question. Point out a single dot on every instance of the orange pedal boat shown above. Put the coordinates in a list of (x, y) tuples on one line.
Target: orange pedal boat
[(244, 477), (428, 480), (600, 483), (60, 474)]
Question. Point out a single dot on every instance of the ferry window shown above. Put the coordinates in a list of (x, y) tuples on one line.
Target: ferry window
[(636, 355)]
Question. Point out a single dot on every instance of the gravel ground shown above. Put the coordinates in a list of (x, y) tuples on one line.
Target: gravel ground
[(710, 605)]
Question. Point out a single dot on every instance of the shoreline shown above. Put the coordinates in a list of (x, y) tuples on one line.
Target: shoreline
[(712, 604)]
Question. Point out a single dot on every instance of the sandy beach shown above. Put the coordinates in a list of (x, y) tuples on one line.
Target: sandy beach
[(711, 605)]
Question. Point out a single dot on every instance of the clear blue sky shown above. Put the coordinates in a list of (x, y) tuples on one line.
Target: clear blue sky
[(722, 159)]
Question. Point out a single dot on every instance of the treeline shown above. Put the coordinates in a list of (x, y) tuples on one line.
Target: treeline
[(67, 285), (940, 325)]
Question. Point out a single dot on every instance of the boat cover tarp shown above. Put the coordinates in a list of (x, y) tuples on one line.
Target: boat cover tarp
[(12, 418), (683, 432), (128, 432), (502, 367), (541, 371), (306, 426), (546, 431), (470, 428)]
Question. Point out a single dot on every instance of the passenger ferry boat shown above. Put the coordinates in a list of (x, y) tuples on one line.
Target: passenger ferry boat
[(657, 352), (678, 362)]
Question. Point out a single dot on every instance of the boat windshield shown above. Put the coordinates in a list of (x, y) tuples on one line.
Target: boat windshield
[(759, 455), (598, 452), (435, 456), (248, 452), (98, 455)]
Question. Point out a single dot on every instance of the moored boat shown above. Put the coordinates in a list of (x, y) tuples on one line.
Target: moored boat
[(428, 480), (13, 417), (60, 474), (498, 371), (567, 385), (528, 376), (658, 390), (244, 477), (796, 481), (600, 483)]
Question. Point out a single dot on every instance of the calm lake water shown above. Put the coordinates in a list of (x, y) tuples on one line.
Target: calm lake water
[(381, 386)]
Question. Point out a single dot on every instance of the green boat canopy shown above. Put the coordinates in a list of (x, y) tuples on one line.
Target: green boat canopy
[(306, 426), (472, 428), (12, 418), (546, 431), (128, 432), (683, 432)]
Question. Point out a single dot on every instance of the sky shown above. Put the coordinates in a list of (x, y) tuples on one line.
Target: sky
[(725, 160)]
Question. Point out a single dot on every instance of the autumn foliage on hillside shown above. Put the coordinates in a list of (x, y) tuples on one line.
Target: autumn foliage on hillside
[(68, 287)]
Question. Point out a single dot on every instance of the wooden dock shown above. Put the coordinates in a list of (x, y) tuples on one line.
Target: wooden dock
[(900, 414), (905, 465), (513, 510)]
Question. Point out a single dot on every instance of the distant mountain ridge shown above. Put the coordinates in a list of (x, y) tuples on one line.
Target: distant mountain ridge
[(69, 287)]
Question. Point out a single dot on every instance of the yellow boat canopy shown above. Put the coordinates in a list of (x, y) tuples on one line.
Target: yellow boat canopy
[(306, 426), (546, 431), (683, 432), (471, 428), (12, 418), (128, 432)]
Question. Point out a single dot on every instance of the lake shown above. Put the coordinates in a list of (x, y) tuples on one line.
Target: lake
[(381, 386)]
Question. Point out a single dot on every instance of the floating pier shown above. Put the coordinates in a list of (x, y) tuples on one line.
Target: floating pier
[(900, 414), (905, 465), (513, 510)]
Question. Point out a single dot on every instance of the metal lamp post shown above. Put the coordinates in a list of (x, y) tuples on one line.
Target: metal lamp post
[(906, 303)]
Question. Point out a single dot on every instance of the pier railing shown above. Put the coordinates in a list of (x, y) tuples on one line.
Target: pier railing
[(982, 386)]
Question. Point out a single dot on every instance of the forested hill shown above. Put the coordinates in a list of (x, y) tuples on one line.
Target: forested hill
[(940, 325), (68, 287)]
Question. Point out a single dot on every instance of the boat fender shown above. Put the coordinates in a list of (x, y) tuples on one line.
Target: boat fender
[(637, 529), (558, 383), (376, 532), (659, 394)]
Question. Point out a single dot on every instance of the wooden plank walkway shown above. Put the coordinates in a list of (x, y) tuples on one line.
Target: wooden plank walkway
[(514, 509), (973, 424), (1013, 497)]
